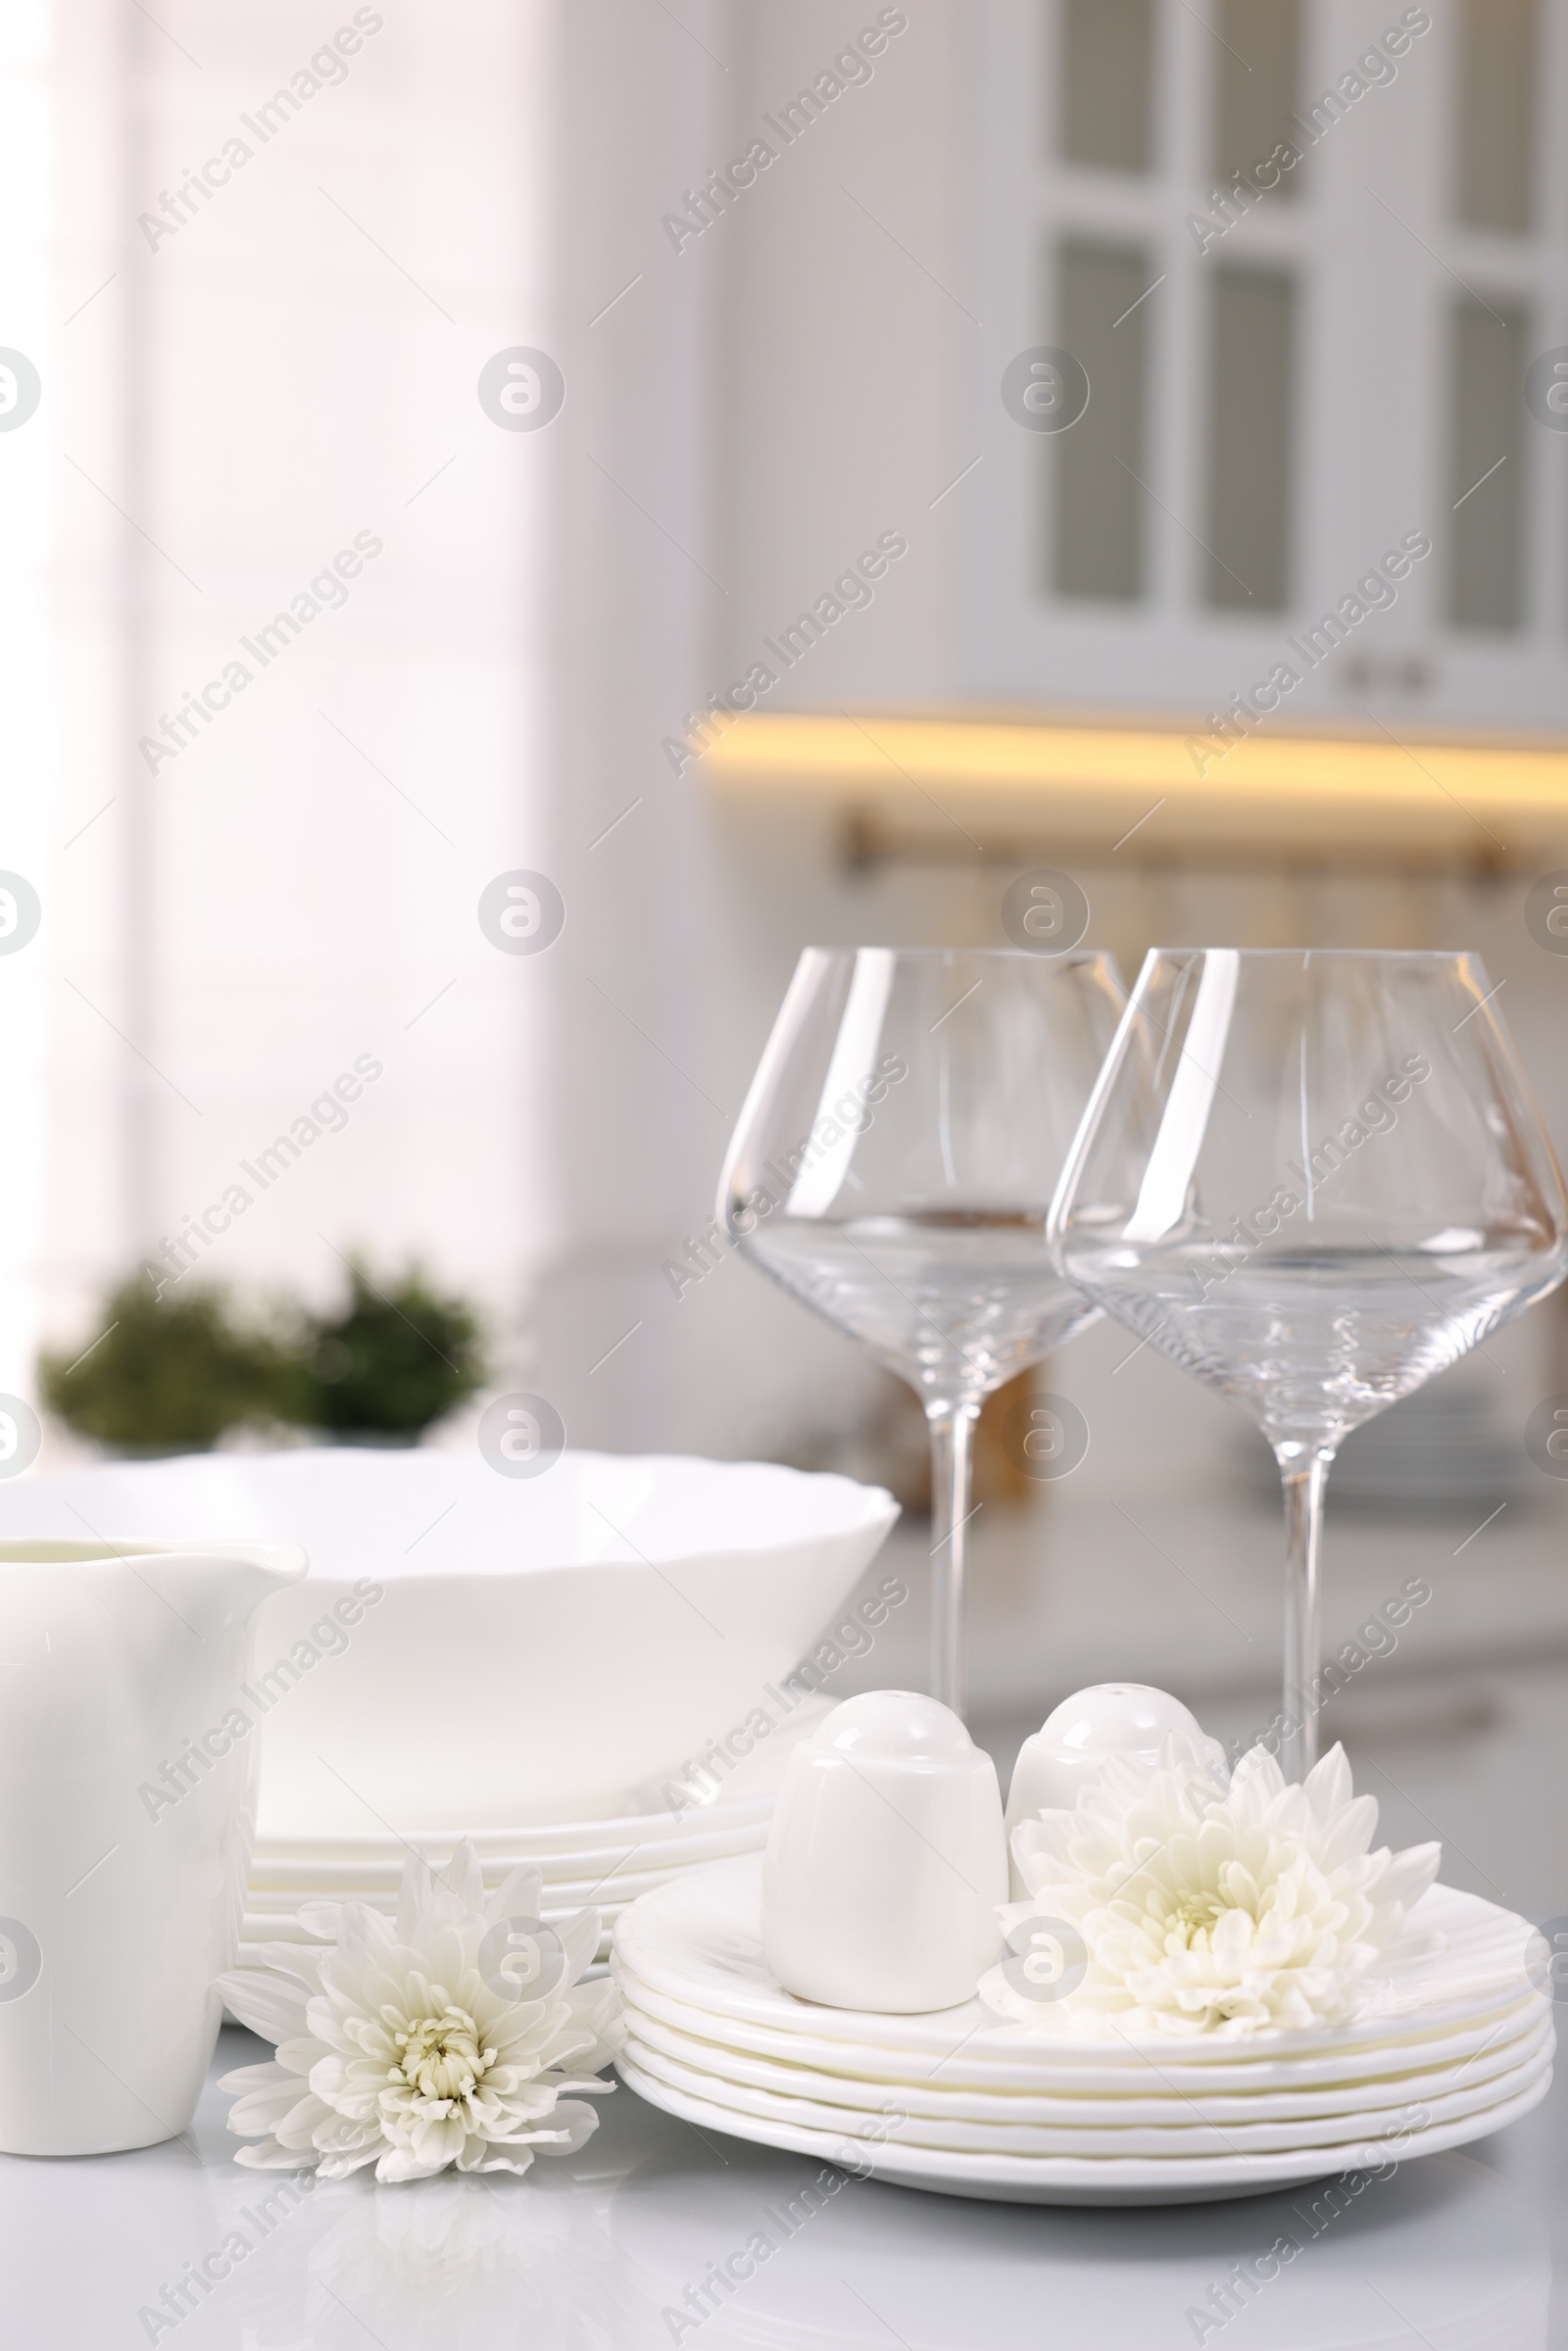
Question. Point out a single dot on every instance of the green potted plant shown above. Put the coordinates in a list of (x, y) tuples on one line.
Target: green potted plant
[(395, 1359), (167, 1373)]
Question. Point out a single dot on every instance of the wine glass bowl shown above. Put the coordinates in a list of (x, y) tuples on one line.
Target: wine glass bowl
[(955, 1302), (1314, 1179), (892, 1166)]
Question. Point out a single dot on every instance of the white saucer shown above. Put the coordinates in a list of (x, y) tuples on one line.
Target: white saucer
[(1456, 2045), (605, 1867), (599, 1876), (539, 1839), (968, 2061), (1180, 2135), (704, 2064), (607, 1894), (734, 1797), (697, 1940), (301, 1868), (1065, 2180)]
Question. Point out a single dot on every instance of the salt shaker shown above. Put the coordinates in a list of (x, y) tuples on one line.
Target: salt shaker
[(886, 1860), (1068, 1753)]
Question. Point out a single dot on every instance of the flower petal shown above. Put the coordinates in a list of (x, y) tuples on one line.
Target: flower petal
[(269, 2004)]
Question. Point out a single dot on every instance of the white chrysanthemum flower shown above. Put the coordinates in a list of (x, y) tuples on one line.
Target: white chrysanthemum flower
[(1205, 1907), (405, 2047)]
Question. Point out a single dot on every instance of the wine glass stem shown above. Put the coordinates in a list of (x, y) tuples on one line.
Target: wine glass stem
[(952, 1429), (1304, 1484)]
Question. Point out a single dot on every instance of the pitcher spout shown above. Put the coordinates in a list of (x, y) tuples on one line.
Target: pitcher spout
[(213, 1589), (217, 1586)]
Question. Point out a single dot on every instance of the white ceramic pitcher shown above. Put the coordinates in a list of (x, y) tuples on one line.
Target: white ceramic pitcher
[(128, 1763)]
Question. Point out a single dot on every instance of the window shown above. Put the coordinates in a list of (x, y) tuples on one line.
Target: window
[(1306, 255)]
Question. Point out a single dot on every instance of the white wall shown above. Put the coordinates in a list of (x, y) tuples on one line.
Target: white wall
[(628, 1116)]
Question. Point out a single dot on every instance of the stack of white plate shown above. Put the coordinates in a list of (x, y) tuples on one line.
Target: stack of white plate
[(959, 2101), (601, 1865)]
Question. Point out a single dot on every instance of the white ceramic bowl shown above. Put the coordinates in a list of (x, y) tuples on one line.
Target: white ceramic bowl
[(540, 1645)]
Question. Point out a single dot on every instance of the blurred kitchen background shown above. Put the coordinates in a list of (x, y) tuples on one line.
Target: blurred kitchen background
[(252, 364)]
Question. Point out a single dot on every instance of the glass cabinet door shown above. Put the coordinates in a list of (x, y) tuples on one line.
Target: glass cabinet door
[(1312, 257)]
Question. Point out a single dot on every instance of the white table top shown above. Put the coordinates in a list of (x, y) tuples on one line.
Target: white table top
[(598, 2253)]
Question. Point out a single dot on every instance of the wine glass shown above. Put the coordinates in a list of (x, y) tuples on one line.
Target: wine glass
[(893, 1165), (1314, 1179)]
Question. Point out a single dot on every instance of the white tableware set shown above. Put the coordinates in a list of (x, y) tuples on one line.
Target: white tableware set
[(598, 1665), (559, 1668), (823, 2000)]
